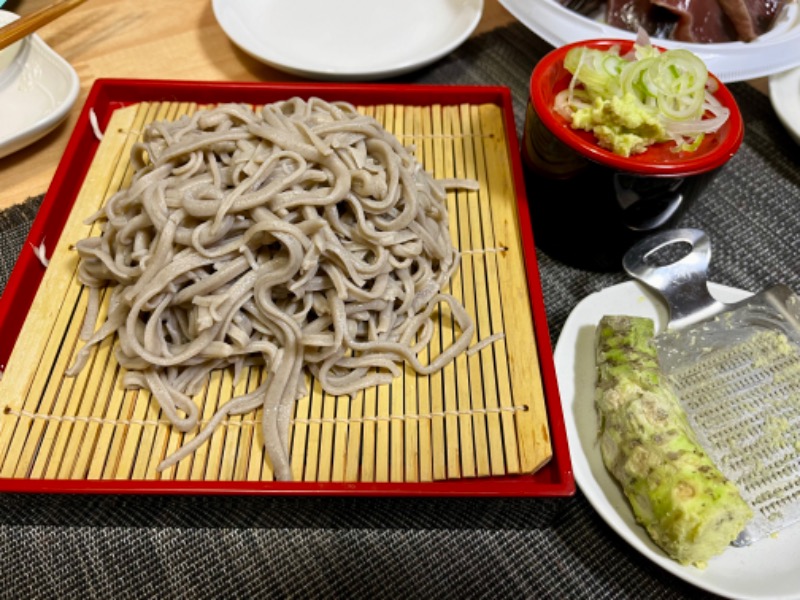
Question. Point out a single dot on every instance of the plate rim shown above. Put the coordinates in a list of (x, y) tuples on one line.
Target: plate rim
[(221, 9)]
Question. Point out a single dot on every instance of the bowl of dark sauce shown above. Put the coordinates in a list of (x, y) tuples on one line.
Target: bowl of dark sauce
[(588, 204)]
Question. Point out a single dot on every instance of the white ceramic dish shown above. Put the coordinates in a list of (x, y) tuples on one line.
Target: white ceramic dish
[(775, 51), (37, 90), (784, 92), (348, 39), (769, 569)]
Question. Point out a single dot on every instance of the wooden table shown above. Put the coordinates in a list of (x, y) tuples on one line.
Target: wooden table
[(149, 39)]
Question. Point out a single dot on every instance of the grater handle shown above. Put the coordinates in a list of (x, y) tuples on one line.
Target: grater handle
[(683, 283)]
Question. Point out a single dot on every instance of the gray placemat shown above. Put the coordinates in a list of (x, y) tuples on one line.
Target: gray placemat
[(15, 223), (203, 547)]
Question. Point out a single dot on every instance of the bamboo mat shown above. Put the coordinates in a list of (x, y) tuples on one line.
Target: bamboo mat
[(482, 415)]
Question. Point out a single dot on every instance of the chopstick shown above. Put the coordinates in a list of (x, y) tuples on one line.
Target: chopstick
[(16, 30)]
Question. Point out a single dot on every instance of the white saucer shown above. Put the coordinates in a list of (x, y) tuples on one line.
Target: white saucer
[(784, 92), (348, 39), (37, 90)]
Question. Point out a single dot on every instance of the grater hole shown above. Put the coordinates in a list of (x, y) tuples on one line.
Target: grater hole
[(667, 254)]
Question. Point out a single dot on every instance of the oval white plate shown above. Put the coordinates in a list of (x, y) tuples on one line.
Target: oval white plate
[(784, 92), (775, 51), (348, 39), (37, 90), (769, 569)]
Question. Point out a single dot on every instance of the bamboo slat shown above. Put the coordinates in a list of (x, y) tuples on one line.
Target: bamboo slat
[(482, 415)]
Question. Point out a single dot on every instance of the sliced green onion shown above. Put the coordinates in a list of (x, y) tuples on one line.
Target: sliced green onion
[(672, 84)]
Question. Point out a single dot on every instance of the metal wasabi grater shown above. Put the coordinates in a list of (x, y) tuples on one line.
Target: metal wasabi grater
[(736, 370)]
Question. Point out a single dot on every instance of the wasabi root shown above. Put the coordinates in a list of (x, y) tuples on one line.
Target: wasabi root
[(678, 495)]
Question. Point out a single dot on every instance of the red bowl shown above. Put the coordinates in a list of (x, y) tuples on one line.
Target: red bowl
[(549, 77)]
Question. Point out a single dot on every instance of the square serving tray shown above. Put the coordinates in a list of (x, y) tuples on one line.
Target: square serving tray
[(490, 424)]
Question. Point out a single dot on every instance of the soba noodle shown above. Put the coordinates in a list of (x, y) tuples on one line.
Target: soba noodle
[(303, 237)]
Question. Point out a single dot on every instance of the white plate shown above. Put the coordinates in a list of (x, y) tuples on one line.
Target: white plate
[(348, 39), (784, 91), (769, 569), (37, 90), (775, 51)]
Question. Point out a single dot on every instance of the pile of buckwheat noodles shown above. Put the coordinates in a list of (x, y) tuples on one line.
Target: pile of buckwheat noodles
[(303, 237)]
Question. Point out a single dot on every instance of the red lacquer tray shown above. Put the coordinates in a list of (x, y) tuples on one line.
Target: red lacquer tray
[(22, 422)]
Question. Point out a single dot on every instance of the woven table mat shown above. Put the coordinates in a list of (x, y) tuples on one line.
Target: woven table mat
[(237, 547)]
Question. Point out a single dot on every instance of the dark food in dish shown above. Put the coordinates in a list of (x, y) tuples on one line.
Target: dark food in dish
[(696, 21)]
